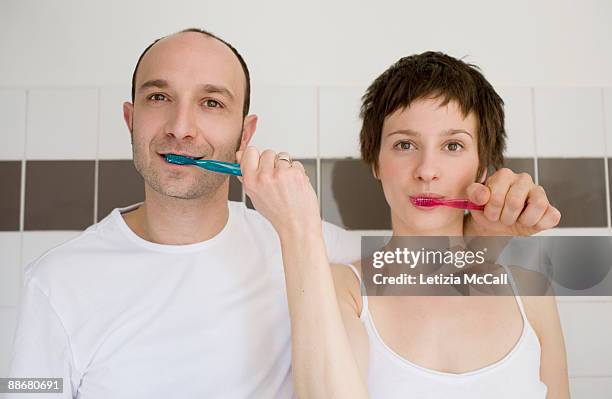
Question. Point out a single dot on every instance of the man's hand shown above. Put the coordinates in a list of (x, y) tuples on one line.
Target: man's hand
[(514, 206)]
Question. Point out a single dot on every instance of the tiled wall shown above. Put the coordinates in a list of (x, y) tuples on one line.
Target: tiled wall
[(65, 162)]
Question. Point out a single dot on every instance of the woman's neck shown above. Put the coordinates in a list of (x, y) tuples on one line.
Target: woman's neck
[(401, 228)]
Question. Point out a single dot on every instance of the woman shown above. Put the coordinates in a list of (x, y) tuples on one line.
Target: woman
[(431, 126)]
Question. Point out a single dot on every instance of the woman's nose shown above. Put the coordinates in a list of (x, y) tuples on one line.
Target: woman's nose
[(428, 168)]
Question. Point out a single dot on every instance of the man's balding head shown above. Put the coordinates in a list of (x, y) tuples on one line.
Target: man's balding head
[(208, 35)]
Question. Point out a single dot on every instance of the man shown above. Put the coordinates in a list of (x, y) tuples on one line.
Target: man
[(183, 295)]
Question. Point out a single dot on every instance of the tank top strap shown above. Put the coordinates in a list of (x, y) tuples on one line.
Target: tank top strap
[(517, 296), (364, 297)]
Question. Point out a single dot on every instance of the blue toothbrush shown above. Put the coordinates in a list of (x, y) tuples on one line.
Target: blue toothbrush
[(208, 164)]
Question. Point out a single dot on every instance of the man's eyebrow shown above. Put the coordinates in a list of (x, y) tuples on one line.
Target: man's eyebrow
[(207, 87), (410, 132), (212, 88), (159, 83)]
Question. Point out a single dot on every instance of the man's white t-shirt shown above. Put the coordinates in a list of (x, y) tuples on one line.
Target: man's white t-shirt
[(119, 317)]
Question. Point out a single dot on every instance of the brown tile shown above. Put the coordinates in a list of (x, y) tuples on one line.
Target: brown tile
[(59, 195), (610, 182), (351, 197), (575, 186), (119, 185), (310, 166), (235, 189), (10, 181), (521, 165)]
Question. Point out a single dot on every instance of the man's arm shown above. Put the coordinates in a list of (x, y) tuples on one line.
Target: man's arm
[(41, 348)]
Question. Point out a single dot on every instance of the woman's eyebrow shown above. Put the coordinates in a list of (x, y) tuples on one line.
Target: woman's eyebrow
[(407, 132), (450, 132)]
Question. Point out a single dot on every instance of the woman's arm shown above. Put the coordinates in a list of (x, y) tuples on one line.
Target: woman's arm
[(544, 317), (323, 362)]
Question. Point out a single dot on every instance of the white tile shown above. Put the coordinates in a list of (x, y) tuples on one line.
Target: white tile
[(12, 128), (8, 323), (587, 328), (114, 139), (608, 119), (62, 124), (339, 121), (519, 121), (36, 243), (10, 268), (576, 231), (591, 388), (287, 120), (569, 122), (582, 299)]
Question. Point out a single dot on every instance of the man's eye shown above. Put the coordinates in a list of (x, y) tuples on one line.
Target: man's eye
[(404, 145), (157, 97), (212, 103), (454, 146)]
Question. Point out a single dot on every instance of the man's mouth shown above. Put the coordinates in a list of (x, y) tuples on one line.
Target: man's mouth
[(163, 155)]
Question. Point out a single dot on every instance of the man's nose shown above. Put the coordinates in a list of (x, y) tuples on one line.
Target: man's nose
[(181, 124), (428, 168)]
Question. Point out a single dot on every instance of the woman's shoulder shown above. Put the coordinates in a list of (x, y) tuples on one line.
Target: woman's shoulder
[(348, 284), (538, 298)]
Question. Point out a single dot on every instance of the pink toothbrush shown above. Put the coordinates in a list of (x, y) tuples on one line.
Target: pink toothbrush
[(453, 203)]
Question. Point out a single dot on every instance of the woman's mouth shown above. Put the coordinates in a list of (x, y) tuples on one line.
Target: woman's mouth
[(425, 201)]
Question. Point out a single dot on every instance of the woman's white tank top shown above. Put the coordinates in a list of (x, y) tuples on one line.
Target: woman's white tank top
[(517, 375)]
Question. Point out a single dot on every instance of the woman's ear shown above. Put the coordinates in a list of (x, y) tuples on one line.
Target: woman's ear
[(484, 176), (374, 172)]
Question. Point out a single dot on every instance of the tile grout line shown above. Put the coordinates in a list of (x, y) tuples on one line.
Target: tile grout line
[(23, 166), (318, 138), (96, 161), (23, 189), (535, 141), (606, 167)]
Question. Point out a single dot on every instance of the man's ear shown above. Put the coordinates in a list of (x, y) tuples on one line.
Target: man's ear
[(128, 115), (248, 130)]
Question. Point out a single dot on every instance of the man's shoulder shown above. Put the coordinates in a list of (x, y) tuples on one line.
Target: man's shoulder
[(73, 251)]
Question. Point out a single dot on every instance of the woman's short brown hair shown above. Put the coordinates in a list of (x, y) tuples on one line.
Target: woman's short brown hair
[(437, 75)]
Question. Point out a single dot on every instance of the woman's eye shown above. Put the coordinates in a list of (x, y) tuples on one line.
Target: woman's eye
[(454, 146), (157, 97), (404, 145), (212, 103)]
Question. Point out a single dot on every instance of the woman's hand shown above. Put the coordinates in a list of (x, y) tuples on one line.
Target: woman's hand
[(514, 206), (280, 190)]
